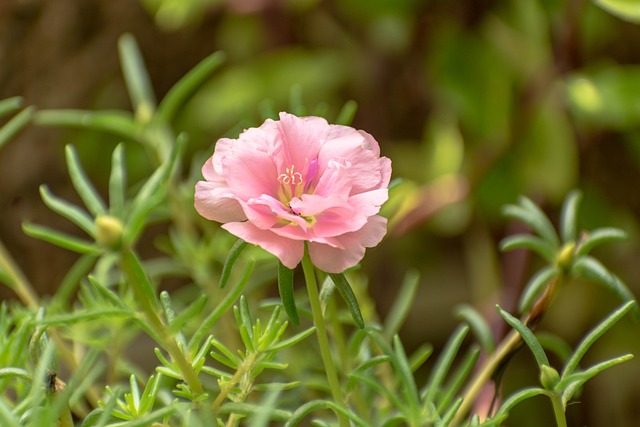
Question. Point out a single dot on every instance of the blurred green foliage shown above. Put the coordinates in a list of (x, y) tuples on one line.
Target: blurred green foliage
[(476, 103)]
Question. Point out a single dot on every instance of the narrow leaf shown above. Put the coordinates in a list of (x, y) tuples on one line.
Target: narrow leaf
[(135, 74), (529, 213), (536, 286), (72, 212), (15, 125), (188, 85), (345, 291), (117, 122), (459, 377), (62, 240), (479, 326), (289, 342), (9, 105), (444, 362), (528, 241), (402, 304), (623, 9), (517, 398), (569, 217), (583, 376), (117, 182), (591, 268), (598, 237), (347, 113), (528, 337), (285, 287), (594, 335), (139, 281), (232, 257), (81, 183)]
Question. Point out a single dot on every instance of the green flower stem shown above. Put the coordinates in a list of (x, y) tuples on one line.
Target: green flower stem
[(558, 410), (140, 283), (321, 333), (508, 344)]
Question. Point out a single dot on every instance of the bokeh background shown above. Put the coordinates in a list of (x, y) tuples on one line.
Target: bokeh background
[(476, 102)]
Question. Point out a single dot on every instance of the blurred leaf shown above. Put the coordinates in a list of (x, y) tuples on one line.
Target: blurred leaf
[(569, 217), (402, 303), (606, 96), (598, 237), (442, 366), (347, 113), (136, 78), (15, 125), (232, 257), (536, 286), (81, 183), (285, 287), (9, 105), (188, 85), (528, 241), (71, 212), (479, 325), (530, 214), (117, 122), (345, 291), (60, 239), (117, 183), (629, 10)]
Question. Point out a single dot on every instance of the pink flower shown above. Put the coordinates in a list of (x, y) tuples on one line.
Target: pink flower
[(299, 179)]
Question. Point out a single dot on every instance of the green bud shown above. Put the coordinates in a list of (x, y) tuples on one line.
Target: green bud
[(109, 231), (549, 377), (564, 257)]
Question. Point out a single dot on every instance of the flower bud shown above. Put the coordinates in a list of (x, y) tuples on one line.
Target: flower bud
[(109, 231), (564, 257), (549, 377)]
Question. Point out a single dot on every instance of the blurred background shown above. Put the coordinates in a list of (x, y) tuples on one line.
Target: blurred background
[(476, 102)]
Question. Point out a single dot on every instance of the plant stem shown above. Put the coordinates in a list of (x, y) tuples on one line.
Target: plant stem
[(558, 410), (321, 333)]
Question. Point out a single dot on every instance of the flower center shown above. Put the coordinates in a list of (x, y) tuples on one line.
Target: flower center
[(290, 177)]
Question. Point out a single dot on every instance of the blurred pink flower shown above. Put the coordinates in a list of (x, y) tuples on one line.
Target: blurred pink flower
[(299, 179)]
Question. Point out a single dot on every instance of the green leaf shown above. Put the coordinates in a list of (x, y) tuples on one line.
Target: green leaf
[(86, 315), (591, 268), (232, 257), (529, 213), (116, 122), (528, 241), (583, 376), (536, 286), (517, 398), (628, 10), (598, 237), (317, 405), (221, 308), (442, 366), (139, 281), (117, 182), (479, 325), (188, 85), (289, 342), (569, 217), (594, 335), (528, 337), (9, 373), (402, 303), (61, 239), (247, 409), (81, 183), (136, 77), (9, 105), (285, 288), (191, 312), (15, 125), (70, 211), (345, 291), (463, 371), (347, 113)]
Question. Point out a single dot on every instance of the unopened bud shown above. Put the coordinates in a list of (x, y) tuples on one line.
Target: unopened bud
[(549, 377), (109, 231), (564, 258)]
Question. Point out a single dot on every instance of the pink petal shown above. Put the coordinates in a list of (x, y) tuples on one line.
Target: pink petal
[(369, 203), (250, 173), (288, 251), (333, 215), (301, 138), (265, 212), (217, 203), (335, 260)]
